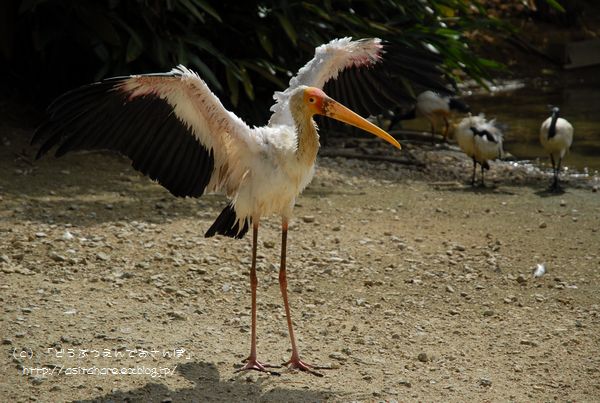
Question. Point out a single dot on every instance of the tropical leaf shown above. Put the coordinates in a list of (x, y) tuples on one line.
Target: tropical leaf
[(288, 28), (233, 46)]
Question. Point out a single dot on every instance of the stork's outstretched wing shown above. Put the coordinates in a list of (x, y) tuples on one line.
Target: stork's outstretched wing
[(172, 127), (367, 75)]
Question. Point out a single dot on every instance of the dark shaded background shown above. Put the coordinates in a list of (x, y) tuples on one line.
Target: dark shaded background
[(244, 50)]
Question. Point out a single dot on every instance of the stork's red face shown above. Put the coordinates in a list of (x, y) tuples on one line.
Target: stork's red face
[(314, 99), (319, 103)]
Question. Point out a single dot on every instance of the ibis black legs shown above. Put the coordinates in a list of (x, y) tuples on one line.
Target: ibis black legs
[(294, 362), (483, 168), (554, 186), (446, 127), (482, 176), (252, 361), (432, 130)]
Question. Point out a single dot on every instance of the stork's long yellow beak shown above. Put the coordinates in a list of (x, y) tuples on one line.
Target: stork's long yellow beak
[(335, 110)]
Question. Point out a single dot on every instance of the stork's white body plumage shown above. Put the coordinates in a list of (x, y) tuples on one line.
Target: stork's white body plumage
[(479, 139), (288, 176), (176, 131), (556, 137)]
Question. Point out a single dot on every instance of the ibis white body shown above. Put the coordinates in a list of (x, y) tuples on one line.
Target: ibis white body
[(480, 139), (465, 137), (483, 147), (486, 148), (559, 144), (430, 104), (556, 136), (435, 107)]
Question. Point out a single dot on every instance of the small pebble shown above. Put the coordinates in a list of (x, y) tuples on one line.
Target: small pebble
[(57, 257), (177, 315), (423, 357), (308, 218), (529, 343), (338, 356), (102, 256), (485, 382)]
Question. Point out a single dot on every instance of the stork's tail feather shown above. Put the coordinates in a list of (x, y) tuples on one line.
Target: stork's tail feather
[(227, 224)]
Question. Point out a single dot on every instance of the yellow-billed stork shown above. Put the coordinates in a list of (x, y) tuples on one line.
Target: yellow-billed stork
[(481, 140), (556, 136), (176, 131)]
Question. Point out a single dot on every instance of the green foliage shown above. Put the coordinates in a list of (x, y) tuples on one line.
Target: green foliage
[(555, 5), (244, 50)]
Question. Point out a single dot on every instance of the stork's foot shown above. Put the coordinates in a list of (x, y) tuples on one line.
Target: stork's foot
[(254, 364), (297, 363)]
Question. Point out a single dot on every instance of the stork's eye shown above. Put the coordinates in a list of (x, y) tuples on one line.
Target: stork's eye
[(312, 100)]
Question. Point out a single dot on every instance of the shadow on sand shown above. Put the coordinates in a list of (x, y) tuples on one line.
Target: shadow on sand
[(209, 387)]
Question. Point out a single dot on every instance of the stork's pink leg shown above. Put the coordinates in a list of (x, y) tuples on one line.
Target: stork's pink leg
[(295, 362), (252, 362)]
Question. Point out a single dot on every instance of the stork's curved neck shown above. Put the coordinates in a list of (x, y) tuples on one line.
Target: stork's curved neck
[(308, 139)]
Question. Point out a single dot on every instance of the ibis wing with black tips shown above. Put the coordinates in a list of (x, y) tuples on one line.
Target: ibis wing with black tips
[(170, 125)]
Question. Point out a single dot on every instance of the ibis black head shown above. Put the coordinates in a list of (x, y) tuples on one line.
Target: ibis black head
[(457, 105)]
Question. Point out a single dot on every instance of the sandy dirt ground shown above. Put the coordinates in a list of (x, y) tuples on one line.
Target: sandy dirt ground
[(405, 282)]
